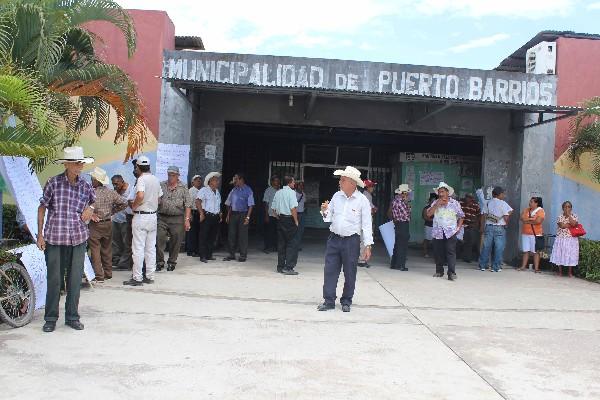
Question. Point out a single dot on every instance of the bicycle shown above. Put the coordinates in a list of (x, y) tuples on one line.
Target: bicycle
[(17, 295)]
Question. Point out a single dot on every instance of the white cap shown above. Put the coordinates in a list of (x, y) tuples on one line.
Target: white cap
[(143, 160)]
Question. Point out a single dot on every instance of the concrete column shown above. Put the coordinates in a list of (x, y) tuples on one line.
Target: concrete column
[(208, 139)]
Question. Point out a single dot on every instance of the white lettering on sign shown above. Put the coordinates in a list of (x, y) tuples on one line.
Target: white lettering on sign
[(473, 85)]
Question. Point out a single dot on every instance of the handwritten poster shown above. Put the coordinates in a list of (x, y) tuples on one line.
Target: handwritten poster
[(27, 191), (210, 151), (172, 154), (428, 178), (35, 264)]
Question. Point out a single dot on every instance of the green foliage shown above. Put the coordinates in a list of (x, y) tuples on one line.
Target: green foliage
[(585, 136), (589, 259), (10, 228)]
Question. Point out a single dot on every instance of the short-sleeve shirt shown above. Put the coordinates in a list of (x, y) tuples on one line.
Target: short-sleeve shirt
[(240, 198), (301, 198), (565, 232), (445, 219), (194, 195), (174, 201), (211, 200), (65, 203), (495, 211), (284, 201), (528, 229), (268, 198), (150, 185)]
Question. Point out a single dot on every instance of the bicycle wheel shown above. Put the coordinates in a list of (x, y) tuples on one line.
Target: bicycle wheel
[(17, 297)]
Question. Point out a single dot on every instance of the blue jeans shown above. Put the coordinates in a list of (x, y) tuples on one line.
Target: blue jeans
[(495, 236)]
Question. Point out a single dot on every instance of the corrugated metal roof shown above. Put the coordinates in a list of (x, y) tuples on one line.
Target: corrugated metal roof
[(516, 61), (367, 95), (188, 43)]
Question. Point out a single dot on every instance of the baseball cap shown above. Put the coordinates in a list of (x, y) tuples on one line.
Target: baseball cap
[(369, 183), (143, 160), (173, 169), (196, 177)]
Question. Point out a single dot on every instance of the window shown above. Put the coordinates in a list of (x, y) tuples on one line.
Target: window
[(318, 154), (353, 156)]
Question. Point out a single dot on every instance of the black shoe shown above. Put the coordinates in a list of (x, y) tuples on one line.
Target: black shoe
[(212, 259), (289, 271), (204, 260), (78, 326), (159, 267), (49, 326), (363, 265), (438, 275), (451, 277), (170, 267), (190, 254), (148, 281), (403, 269), (325, 307), (242, 259), (346, 307), (280, 269), (229, 258), (132, 282)]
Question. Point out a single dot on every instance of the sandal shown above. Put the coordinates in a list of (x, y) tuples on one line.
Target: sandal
[(522, 268), (537, 271)]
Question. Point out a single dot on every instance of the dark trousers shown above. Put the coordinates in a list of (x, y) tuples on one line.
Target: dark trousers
[(271, 234), (341, 252), (127, 259), (287, 246), (237, 234), (171, 228), (470, 240), (445, 254), (208, 235), (121, 248), (69, 259), (300, 231), (402, 235), (100, 243), (192, 236)]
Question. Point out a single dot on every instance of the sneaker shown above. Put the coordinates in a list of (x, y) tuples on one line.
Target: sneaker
[(148, 281), (289, 271), (325, 307), (170, 267), (132, 282), (451, 277), (346, 307), (159, 267)]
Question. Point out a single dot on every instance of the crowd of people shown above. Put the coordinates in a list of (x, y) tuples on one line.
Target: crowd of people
[(129, 227)]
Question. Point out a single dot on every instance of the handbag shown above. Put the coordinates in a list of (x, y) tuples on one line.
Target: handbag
[(577, 230), (539, 240)]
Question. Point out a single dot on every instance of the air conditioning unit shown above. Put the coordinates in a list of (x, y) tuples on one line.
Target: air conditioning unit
[(541, 59)]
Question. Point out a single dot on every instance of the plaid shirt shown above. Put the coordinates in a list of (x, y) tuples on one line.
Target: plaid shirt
[(400, 210), (65, 203), (108, 202)]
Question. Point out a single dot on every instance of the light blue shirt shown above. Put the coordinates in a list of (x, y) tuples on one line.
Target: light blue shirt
[(284, 201)]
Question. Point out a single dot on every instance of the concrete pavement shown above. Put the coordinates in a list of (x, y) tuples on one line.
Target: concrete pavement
[(228, 330)]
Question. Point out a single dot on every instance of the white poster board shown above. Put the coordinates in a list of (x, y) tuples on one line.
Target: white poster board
[(172, 154), (27, 191), (428, 178), (388, 234), (35, 263)]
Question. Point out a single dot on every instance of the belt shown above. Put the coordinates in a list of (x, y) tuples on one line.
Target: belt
[(102, 220), (284, 216), (343, 237), (239, 212), (144, 212)]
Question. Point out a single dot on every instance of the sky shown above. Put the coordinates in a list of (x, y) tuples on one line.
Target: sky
[(455, 33)]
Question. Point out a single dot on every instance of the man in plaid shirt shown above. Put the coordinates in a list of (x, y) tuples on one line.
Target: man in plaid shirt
[(69, 200), (401, 215)]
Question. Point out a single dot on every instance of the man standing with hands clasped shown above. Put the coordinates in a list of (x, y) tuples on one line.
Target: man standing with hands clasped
[(69, 200), (285, 207), (350, 215)]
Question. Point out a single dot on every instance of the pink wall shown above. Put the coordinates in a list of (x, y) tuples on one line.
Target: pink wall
[(578, 79), (155, 33)]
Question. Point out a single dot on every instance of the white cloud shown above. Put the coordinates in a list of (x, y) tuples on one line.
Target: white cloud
[(479, 43), (531, 9), (594, 6)]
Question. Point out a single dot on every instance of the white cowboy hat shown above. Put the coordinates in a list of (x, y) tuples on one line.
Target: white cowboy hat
[(210, 176), (352, 173), (100, 175), (445, 186), (402, 188), (74, 154)]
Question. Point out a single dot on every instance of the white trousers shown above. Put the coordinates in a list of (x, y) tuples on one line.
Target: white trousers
[(143, 245)]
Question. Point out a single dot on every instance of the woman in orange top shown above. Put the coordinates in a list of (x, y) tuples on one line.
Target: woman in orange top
[(532, 218)]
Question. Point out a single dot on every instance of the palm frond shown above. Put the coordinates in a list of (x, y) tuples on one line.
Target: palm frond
[(585, 136)]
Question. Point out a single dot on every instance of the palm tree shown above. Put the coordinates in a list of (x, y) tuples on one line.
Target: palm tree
[(585, 133), (46, 41)]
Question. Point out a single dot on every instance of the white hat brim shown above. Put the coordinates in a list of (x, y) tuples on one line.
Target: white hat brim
[(210, 176), (450, 189), (341, 172), (85, 160)]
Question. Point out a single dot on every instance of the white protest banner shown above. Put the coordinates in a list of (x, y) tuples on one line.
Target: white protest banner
[(172, 154), (27, 191), (35, 263), (388, 234)]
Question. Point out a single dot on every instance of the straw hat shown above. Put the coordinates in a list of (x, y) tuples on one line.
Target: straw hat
[(445, 186), (402, 188), (100, 175), (74, 154), (210, 176), (352, 173)]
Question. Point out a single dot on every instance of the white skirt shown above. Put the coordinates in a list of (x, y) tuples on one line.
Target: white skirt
[(528, 243)]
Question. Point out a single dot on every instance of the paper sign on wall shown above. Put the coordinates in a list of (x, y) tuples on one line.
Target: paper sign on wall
[(428, 178), (172, 154), (210, 151)]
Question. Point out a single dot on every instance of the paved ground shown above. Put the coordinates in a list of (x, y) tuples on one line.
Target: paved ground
[(230, 330)]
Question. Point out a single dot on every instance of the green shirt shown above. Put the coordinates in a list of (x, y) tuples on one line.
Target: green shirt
[(284, 201)]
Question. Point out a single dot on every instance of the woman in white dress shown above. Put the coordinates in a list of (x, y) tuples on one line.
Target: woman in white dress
[(565, 251)]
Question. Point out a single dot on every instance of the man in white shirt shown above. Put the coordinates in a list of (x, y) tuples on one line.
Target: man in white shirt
[(144, 206), (496, 213), (208, 203), (191, 236), (350, 215)]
